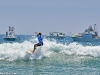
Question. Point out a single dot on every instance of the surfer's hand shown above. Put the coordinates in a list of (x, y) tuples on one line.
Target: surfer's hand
[(36, 33)]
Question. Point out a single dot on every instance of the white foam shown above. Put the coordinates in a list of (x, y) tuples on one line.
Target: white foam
[(17, 51), (78, 49)]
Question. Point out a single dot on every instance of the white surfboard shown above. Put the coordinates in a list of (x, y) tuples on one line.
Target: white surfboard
[(29, 51)]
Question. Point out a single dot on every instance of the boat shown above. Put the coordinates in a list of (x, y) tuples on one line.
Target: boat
[(89, 35), (10, 35), (56, 35)]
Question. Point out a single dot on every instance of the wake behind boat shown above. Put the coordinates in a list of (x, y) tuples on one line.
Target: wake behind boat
[(89, 35)]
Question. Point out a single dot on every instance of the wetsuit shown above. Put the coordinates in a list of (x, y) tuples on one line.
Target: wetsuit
[(40, 39)]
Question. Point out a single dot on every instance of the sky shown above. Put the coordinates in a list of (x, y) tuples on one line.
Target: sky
[(67, 16)]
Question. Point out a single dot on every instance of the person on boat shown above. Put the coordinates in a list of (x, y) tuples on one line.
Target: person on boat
[(40, 39)]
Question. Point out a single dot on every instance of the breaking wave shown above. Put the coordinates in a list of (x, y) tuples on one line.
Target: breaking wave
[(18, 51)]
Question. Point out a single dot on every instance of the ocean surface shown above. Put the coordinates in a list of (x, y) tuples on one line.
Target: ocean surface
[(55, 57)]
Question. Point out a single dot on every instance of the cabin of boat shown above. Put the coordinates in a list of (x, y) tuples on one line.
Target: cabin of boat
[(56, 35)]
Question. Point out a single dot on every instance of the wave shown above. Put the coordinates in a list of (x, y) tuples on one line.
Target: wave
[(17, 51)]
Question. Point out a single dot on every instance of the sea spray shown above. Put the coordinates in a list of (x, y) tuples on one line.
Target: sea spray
[(17, 51)]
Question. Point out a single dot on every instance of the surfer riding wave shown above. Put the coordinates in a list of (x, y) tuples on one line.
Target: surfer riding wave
[(40, 39)]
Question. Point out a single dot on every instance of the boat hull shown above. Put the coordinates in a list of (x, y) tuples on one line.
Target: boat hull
[(55, 37), (81, 39), (10, 39)]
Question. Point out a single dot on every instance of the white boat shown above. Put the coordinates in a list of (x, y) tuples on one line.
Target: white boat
[(56, 35), (10, 35), (89, 35)]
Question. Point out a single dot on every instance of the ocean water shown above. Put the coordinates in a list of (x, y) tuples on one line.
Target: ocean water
[(55, 57)]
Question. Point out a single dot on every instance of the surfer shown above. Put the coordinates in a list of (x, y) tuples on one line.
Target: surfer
[(40, 39)]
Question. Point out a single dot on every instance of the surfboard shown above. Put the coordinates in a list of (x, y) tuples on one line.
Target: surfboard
[(29, 51)]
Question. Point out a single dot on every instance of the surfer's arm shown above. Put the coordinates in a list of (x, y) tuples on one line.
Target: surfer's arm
[(36, 33)]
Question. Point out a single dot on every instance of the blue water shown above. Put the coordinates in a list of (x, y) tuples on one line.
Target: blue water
[(56, 57)]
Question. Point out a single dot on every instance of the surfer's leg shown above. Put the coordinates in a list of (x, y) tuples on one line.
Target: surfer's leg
[(38, 44), (34, 48)]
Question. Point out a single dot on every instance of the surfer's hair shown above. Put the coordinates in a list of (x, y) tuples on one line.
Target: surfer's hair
[(40, 34)]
